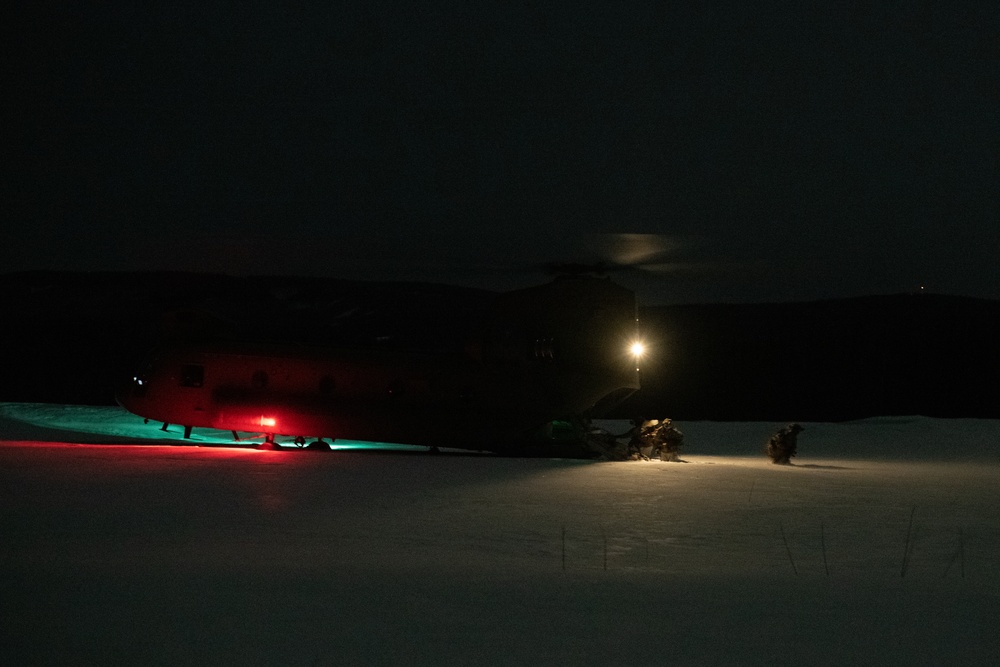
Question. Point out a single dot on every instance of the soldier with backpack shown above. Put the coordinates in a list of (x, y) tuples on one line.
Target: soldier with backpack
[(783, 445)]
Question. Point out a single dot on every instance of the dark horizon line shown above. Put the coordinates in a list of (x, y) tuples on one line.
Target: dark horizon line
[(108, 273)]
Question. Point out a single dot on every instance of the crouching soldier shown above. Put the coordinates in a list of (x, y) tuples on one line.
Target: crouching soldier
[(642, 438), (669, 441), (783, 445), (655, 438)]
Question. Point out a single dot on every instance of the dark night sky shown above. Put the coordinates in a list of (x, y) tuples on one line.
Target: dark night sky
[(784, 151)]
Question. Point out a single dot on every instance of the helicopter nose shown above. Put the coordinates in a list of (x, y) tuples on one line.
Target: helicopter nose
[(128, 390)]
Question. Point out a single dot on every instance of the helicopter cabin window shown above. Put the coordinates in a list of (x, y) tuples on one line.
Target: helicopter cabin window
[(192, 375)]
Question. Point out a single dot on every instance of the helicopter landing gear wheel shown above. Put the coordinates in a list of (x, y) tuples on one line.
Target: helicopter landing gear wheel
[(300, 441), (318, 445)]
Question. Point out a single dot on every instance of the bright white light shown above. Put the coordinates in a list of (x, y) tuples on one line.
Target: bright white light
[(638, 349)]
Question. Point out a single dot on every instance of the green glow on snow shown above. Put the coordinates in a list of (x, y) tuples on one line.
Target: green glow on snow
[(113, 424)]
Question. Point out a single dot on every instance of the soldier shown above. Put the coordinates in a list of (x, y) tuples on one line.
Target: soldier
[(642, 438), (670, 440), (783, 445), (654, 437)]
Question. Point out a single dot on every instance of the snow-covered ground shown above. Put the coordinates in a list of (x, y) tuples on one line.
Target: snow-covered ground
[(881, 545)]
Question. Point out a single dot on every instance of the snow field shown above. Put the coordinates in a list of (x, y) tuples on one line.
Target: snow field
[(163, 554)]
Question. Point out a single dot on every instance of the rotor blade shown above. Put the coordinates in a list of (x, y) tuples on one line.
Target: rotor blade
[(632, 248)]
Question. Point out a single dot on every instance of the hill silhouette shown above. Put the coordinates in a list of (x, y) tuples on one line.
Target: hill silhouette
[(71, 336)]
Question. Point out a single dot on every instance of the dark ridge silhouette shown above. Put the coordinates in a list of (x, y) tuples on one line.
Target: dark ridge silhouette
[(824, 361), (70, 336)]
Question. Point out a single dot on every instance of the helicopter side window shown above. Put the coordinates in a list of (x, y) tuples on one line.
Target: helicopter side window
[(192, 375)]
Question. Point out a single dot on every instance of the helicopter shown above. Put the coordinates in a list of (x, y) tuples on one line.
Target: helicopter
[(563, 351)]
